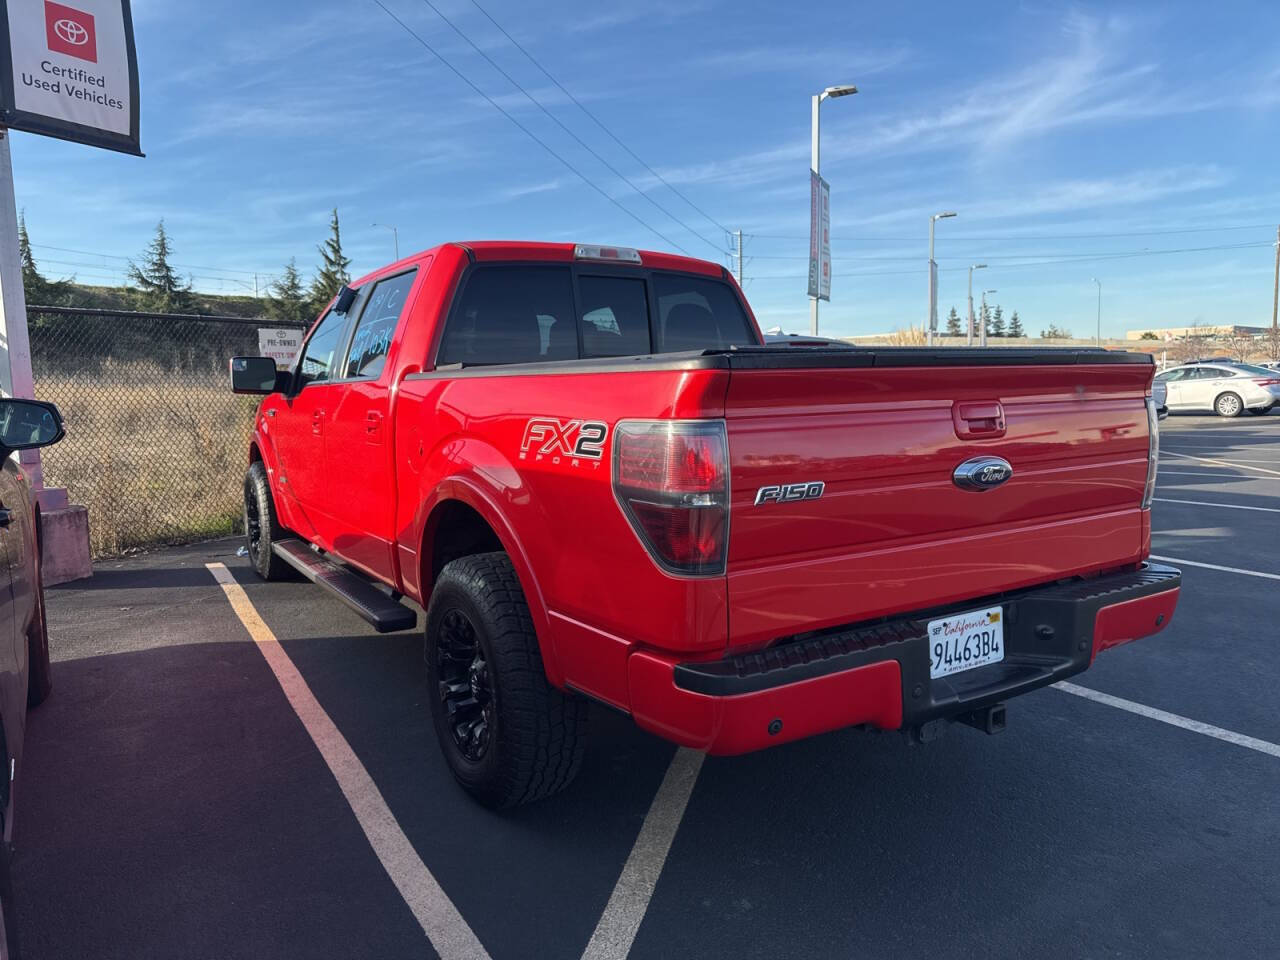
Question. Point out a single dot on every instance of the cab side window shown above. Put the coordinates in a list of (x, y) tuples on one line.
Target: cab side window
[(377, 325), (512, 315), (317, 361)]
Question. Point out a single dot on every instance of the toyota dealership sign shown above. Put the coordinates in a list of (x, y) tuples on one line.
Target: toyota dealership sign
[(70, 71)]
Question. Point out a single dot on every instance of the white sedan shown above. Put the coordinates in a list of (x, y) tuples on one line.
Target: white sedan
[(1226, 388)]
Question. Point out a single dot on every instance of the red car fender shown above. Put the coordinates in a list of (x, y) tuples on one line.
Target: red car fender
[(470, 487), (265, 449)]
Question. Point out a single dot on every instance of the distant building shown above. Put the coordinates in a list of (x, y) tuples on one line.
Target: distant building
[(1204, 330)]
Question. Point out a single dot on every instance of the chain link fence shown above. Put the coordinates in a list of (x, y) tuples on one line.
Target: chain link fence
[(156, 443)]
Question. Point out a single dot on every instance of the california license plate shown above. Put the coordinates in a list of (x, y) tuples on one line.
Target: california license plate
[(966, 640)]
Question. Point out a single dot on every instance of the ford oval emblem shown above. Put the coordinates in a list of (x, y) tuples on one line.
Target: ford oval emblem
[(982, 473)]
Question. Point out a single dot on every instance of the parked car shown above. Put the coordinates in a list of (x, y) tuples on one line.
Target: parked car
[(24, 654), (803, 340), (600, 482), (1228, 388)]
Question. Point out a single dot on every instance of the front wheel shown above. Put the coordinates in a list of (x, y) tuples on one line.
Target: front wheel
[(1228, 405), (508, 736), (261, 528)]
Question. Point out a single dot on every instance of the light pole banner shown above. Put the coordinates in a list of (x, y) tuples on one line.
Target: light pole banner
[(69, 70), (819, 237)]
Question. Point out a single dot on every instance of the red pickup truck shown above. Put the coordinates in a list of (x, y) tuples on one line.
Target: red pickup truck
[(589, 469)]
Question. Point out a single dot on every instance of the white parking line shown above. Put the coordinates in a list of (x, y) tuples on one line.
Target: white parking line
[(449, 934), (1225, 506), (1195, 726), (1214, 566), (1222, 463), (629, 901)]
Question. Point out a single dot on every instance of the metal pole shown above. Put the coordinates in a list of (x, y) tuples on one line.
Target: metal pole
[(738, 268), (969, 338), (982, 320), (395, 236), (813, 162), (1097, 340), (15, 347), (933, 294), (1275, 297)]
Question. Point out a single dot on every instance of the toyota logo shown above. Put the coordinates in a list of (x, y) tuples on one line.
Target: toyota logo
[(71, 32)]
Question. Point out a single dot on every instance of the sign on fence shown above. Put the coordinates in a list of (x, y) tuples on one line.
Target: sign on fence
[(280, 344), (68, 70)]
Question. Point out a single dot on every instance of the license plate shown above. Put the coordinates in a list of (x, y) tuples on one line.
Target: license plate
[(966, 640)]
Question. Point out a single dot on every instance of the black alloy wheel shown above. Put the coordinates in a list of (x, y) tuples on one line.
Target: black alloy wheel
[(465, 690)]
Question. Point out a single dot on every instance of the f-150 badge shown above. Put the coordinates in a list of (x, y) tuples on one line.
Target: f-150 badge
[(576, 439), (790, 492)]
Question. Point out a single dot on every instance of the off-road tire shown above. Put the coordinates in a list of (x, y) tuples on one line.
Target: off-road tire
[(1228, 405), (260, 517), (536, 734)]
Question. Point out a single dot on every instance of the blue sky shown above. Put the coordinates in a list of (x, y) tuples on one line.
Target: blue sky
[(1053, 129)]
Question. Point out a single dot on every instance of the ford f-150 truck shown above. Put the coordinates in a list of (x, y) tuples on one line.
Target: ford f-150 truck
[(599, 482)]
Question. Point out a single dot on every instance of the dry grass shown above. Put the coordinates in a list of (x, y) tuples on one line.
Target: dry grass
[(910, 337), (156, 455)]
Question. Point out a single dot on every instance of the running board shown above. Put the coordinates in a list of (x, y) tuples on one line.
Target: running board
[(383, 613)]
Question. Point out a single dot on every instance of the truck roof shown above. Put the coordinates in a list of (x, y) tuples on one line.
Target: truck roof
[(508, 250)]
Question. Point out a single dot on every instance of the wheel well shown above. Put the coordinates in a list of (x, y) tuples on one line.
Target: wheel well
[(255, 455), (454, 530)]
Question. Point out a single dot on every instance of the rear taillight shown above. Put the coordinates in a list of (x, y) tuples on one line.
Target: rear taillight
[(671, 478), (1153, 452), (1266, 381)]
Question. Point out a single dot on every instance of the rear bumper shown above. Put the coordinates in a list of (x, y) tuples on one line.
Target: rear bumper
[(878, 674)]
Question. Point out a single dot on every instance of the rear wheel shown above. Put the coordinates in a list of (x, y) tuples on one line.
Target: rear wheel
[(508, 736), (261, 528), (1228, 405)]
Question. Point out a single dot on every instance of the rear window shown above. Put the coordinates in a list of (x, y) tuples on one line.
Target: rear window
[(512, 315), (615, 316), (1253, 371), (698, 314)]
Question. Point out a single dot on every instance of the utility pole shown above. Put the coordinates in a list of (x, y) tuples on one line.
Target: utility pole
[(983, 342), (1097, 340), (1275, 297), (737, 272), (931, 323), (969, 337)]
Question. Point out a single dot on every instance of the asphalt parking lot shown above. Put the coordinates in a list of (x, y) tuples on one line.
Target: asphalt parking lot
[(178, 804)]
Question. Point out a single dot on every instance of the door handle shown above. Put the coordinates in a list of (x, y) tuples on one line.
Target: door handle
[(317, 420), (373, 426), (978, 419)]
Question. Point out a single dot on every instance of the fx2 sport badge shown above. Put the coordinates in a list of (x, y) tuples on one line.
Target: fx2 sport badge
[(577, 440)]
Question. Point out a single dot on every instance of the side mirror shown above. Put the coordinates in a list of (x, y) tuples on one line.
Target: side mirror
[(25, 424), (343, 301), (253, 375)]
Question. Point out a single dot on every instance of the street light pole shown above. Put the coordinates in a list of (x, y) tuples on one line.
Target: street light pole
[(983, 321), (932, 322), (969, 335), (837, 91), (1097, 340), (394, 233)]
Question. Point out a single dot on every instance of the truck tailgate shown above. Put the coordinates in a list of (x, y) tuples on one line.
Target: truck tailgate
[(892, 531)]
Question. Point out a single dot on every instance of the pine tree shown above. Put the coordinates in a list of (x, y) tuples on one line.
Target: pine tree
[(333, 266), (983, 320), (158, 287), (34, 286), (1015, 326), (953, 324), (997, 323), (288, 300)]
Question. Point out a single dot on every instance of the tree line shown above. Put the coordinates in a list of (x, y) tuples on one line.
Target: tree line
[(996, 324), (155, 286)]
